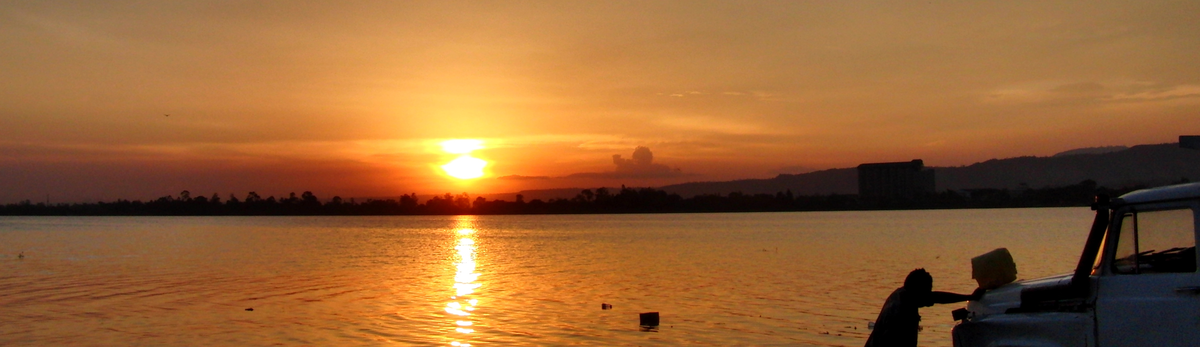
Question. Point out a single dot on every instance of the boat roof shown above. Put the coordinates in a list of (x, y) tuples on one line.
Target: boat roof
[(1172, 192)]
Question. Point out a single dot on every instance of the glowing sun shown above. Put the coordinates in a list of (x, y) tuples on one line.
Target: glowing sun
[(465, 166)]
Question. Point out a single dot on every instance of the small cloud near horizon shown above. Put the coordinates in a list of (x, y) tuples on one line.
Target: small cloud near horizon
[(640, 165)]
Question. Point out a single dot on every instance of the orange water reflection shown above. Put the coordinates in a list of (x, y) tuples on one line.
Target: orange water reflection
[(466, 281)]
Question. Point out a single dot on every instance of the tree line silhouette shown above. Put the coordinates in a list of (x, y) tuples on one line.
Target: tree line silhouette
[(589, 201)]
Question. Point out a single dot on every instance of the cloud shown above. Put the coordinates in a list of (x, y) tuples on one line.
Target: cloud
[(701, 124), (642, 162), (1081, 87), (1046, 93), (1052, 93), (730, 95), (1160, 93), (641, 165)]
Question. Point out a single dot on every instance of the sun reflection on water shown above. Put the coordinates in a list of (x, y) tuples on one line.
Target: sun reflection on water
[(463, 303)]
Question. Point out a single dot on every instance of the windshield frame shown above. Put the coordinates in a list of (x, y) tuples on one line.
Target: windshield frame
[(1110, 244)]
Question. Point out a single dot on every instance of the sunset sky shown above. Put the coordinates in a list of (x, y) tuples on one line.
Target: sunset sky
[(135, 100)]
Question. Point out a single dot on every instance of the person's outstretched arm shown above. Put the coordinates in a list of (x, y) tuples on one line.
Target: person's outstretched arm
[(950, 298)]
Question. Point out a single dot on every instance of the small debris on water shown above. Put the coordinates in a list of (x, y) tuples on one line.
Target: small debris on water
[(250, 309), (604, 306), (649, 319)]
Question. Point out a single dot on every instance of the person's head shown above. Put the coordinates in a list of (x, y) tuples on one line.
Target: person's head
[(919, 281)]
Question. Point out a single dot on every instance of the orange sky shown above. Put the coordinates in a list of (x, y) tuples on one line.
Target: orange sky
[(352, 99)]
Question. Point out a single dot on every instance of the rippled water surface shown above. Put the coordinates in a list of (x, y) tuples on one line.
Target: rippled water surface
[(754, 279)]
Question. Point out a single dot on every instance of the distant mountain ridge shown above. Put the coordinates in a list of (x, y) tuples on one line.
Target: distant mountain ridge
[(824, 182), (1091, 150), (1113, 166), (1149, 165)]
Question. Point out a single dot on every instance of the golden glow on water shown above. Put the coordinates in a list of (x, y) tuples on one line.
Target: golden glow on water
[(463, 303), (540, 277)]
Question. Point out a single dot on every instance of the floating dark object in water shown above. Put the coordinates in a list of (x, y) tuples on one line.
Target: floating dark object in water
[(649, 319), (250, 309), (21, 256), (604, 306)]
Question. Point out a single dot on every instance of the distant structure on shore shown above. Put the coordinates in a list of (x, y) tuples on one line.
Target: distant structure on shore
[(899, 180), (1189, 141)]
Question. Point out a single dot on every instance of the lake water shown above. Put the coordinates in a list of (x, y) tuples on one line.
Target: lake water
[(751, 279)]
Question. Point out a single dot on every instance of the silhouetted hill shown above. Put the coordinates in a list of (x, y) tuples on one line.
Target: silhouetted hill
[(824, 182), (1148, 165), (1091, 150), (1114, 167)]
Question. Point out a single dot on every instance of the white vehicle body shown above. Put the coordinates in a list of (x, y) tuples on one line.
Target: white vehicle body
[(1136, 283)]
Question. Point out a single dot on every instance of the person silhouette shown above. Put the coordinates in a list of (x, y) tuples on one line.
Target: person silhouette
[(899, 321)]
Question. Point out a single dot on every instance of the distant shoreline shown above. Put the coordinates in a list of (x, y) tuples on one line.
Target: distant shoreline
[(600, 201)]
